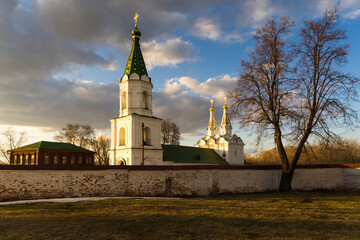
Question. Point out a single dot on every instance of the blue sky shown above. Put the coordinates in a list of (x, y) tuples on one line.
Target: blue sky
[(60, 61)]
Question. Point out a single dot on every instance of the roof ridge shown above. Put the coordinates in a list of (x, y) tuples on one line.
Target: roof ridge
[(47, 145)]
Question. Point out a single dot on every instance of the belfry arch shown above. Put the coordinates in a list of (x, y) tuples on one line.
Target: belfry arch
[(123, 100), (145, 100), (122, 141)]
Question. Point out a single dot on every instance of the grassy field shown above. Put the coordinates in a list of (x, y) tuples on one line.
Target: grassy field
[(303, 215)]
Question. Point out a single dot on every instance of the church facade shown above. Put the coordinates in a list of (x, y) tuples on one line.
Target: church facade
[(227, 144)]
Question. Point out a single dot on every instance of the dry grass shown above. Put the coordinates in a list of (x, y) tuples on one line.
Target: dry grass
[(304, 215), (341, 151)]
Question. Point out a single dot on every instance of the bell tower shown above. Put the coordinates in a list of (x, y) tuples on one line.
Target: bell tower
[(135, 128), (135, 85)]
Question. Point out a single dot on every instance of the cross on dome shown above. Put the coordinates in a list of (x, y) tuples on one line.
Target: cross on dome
[(135, 18), (225, 106)]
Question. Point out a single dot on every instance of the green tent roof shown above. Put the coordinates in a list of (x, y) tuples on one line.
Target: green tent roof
[(55, 146), (136, 61), (184, 154)]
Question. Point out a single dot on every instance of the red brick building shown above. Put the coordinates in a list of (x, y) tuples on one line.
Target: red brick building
[(51, 153)]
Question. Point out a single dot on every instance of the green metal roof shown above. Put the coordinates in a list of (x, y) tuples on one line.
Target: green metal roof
[(55, 146), (136, 61), (185, 154)]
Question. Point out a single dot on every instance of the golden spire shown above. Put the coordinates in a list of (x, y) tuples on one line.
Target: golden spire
[(226, 127), (135, 18), (212, 128)]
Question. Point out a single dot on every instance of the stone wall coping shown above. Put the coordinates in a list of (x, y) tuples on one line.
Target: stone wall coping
[(178, 167)]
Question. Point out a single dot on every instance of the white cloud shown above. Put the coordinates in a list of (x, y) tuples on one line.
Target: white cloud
[(259, 10), (353, 14), (57, 102), (207, 29), (186, 101), (216, 88), (210, 29), (168, 53), (172, 87), (350, 8), (111, 66), (345, 4), (324, 5), (189, 82)]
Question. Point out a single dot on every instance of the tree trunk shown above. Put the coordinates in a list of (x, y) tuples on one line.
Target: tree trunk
[(285, 182)]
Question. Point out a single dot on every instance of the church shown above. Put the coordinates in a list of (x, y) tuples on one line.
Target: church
[(227, 145), (135, 133)]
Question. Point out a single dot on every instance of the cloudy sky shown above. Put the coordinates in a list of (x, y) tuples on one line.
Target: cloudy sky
[(61, 60)]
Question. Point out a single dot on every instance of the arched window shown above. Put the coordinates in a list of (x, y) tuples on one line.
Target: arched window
[(122, 136), (122, 162), (147, 136), (145, 102), (123, 100)]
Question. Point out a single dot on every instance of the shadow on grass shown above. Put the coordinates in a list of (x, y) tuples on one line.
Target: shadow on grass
[(164, 227), (300, 215)]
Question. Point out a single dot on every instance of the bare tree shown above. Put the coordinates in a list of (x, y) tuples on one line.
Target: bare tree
[(301, 101), (85, 135), (68, 134), (81, 135), (165, 131), (12, 140), (170, 132), (101, 146)]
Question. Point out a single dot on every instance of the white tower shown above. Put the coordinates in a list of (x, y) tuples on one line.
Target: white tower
[(135, 128)]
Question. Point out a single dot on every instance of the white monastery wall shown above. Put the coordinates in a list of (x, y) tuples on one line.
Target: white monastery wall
[(165, 181), (321, 178), (351, 178)]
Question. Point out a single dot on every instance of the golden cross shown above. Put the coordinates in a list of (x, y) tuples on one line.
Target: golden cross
[(211, 102), (135, 18), (225, 98)]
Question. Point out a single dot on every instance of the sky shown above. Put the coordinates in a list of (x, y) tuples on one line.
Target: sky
[(61, 60)]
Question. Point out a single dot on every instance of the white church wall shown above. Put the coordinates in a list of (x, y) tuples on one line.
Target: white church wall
[(235, 155), (131, 151), (134, 91)]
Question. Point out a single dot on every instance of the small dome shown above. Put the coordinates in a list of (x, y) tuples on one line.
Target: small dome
[(136, 33), (206, 137)]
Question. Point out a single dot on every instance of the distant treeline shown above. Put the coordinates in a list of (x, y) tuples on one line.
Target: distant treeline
[(322, 152)]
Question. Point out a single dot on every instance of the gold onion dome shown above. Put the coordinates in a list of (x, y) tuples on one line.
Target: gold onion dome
[(136, 33)]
